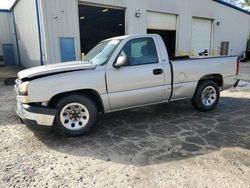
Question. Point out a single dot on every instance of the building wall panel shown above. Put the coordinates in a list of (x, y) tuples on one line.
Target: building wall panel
[(5, 30), (233, 28), (7, 33), (59, 18), (27, 32)]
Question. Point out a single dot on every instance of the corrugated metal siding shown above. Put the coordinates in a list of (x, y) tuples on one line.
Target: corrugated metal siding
[(5, 30), (7, 35), (233, 28), (210, 10), (60, 19), (26, 25)]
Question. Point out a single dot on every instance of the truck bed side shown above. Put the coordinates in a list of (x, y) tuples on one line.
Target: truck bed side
[(187, 73)]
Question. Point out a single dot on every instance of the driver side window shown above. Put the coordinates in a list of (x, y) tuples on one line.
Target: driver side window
[(140, 51)]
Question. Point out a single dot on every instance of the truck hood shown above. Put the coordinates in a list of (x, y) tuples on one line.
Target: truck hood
[(55, 68)]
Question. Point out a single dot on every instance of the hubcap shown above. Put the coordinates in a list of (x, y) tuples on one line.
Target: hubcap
[(74, 116), (209, 96)]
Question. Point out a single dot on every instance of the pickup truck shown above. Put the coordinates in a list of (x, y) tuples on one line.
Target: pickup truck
[(119, 73)]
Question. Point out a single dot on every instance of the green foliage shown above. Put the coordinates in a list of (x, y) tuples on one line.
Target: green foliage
[(246, 4)]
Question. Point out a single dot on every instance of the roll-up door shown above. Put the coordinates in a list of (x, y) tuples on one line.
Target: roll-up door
[(201, 34), (165, 25), (161, 21)]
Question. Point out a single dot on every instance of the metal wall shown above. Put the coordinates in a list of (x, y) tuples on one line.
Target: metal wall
[(66, 23), (234, 27), (7, 34), (27, 32), (59, 18)]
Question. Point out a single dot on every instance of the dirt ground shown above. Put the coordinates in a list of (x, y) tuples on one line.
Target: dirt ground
[(168, 145)]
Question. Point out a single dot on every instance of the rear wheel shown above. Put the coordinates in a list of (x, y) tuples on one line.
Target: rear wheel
[(76, 115), (206, 96)]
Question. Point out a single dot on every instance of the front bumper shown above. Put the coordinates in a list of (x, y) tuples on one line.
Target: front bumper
[(40, 115)]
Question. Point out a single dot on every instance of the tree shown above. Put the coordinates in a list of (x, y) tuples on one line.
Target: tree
[(233, 2), (246, 4)]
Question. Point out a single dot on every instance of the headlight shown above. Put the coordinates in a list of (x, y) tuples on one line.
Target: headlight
[(23, 88)]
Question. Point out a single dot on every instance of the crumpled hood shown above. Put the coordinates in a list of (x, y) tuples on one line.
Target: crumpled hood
[(55, 68)]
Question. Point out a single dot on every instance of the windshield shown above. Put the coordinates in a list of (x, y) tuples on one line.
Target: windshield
[(101, 53)]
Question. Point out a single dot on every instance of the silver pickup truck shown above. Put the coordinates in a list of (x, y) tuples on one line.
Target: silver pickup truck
[(119, 73)]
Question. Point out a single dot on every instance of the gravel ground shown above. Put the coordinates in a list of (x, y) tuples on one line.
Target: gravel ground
[(167, 145)]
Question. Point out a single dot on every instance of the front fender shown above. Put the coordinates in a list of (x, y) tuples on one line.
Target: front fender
[(43, 89)]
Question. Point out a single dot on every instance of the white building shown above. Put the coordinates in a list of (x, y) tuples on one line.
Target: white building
[(51, 31)]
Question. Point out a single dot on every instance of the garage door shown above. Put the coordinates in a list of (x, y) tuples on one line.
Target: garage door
[(161, 21), (201, 34), (165, 26)]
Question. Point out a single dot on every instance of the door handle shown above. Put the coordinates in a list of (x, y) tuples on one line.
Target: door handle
[(157, 71)]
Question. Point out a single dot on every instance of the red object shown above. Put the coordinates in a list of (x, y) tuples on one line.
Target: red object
[(238, 67)]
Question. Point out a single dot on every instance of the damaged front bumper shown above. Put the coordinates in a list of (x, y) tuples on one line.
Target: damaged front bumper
[(36, 114)]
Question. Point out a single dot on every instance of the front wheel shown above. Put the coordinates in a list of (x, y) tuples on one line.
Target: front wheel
[(76, 115), (206, 96)]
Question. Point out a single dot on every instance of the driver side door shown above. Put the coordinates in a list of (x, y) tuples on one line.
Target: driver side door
[(141, 81)]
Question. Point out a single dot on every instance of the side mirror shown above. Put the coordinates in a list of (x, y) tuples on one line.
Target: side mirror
[(121, 61)]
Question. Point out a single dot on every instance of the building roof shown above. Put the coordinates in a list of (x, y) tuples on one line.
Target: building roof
[(4, 10), (14, 4), (232, 6)]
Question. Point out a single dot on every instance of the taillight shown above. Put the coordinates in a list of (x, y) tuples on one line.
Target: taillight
[(238, 67)]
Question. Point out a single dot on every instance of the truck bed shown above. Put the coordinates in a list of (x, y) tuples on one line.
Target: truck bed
[(188, 72)]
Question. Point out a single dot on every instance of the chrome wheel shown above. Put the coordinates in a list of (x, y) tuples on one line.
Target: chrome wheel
[(74, 116), (209, 96)]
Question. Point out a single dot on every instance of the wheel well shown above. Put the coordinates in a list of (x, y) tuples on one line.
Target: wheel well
[(215, 77), (92, 94)]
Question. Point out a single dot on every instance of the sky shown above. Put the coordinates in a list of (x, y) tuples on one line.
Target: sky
[(234, 2), (6, 4)]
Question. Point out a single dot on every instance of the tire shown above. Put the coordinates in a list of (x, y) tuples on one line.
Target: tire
[(206, 96), (76, 115)]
